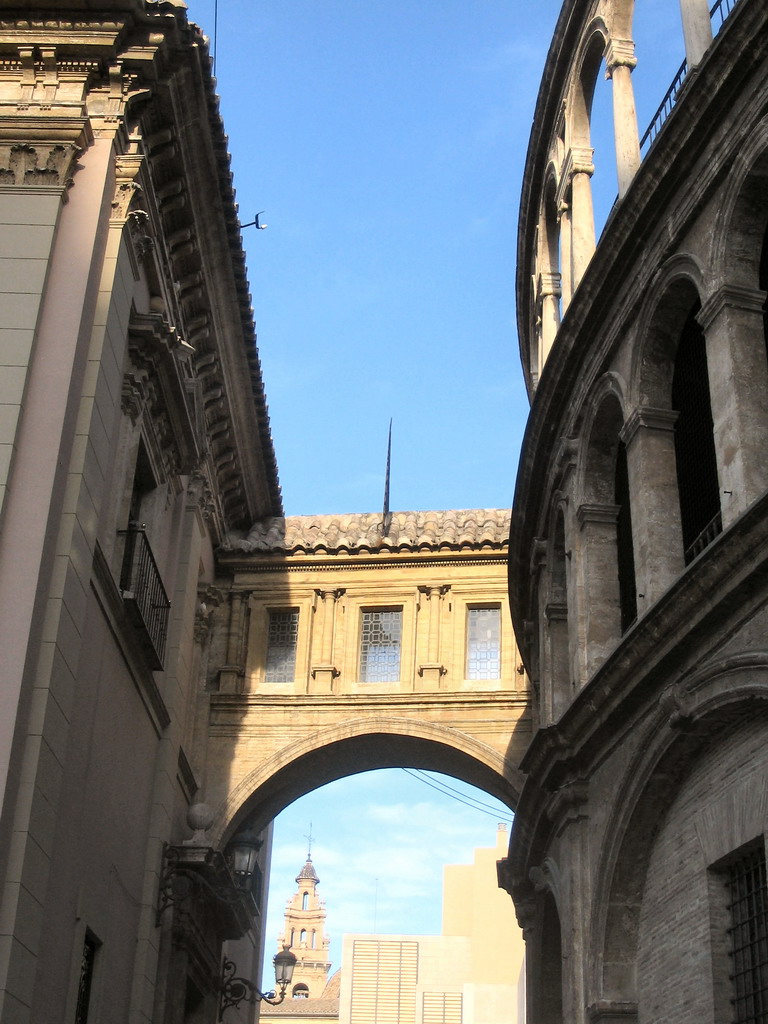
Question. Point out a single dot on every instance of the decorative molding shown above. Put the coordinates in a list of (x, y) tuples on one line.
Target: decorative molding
[(594, 513), (748, 300), (648, 418), (619, 53)]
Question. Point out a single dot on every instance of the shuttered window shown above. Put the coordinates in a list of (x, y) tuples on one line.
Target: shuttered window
[(442, 1008), (384, 976)]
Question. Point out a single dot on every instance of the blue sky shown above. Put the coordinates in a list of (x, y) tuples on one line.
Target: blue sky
[(385, 139)]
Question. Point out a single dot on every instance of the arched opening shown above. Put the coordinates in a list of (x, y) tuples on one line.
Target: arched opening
[(305, 901), (557, 671), (381, 841), (303, 936), (625, 541), (696, 460), (606, 558), (550, 982), (300, 992)]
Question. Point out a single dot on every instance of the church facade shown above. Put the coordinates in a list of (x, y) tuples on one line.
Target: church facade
[(639, 542)]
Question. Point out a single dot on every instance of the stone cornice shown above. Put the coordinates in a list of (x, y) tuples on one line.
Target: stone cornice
[(751, 300), (648, 418)]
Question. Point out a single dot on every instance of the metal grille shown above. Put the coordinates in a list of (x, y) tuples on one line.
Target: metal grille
[(86, 979), (442, 1008), (144, 593), (282, 638), (380, 645), (483, 643), (694, 442), (748, 937), (384, 978)]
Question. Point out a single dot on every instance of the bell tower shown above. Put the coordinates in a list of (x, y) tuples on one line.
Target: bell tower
[(304, 934)]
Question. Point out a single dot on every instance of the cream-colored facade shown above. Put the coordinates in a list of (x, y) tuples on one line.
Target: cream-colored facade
[(471, 974), (272, 741)]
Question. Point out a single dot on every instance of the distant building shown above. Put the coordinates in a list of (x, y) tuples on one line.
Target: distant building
[(471, 974), (312, 996)]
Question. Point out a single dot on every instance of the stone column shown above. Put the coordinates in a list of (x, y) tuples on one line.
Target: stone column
[(232, 674), (566, 243), (432, 669), (620, 61), (697, 29), (732, 320), (657, 535), (549, 299), (599, 607), (323, 672), (580, 170)]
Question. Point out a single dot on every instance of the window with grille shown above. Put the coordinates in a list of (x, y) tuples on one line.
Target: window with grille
[(484, 643), (385, 974), (380, 634), (442, 1008), (282, 637), (748, 937)]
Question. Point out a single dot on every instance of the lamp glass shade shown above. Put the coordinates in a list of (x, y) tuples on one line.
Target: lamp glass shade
[(244, 851), (284, 963)]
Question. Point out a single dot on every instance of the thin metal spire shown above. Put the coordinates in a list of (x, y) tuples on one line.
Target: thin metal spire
[(309, 841), (386, 519)]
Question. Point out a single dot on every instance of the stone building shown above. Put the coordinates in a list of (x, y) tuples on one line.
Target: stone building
[(639, 539), (134, 436), (341, 643)]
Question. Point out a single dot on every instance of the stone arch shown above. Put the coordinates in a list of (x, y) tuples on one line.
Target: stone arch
[(678, 285), (549, 277), (691, 716), (557, 674), (603, 512), (742, 219), (586, 68), (354, 746)]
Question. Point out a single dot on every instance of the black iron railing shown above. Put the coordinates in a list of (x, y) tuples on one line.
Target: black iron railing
[(144, 593), (705, 538), (719, 13)]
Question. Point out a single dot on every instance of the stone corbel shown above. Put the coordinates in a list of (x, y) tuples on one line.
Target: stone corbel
[(126, 186), (567, 805)]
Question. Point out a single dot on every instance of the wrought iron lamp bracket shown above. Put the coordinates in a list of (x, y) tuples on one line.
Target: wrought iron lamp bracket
[(179, 883), (236, 990)]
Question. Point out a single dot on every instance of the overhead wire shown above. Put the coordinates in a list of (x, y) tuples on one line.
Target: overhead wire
[(453, 794)]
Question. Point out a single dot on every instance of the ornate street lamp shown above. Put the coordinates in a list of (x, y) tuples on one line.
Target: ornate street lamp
[(243, 851), (236, 990)]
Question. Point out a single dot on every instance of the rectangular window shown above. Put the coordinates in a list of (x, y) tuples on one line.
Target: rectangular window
[(748, 937), (282, 638), (483, 643), (380, 645)]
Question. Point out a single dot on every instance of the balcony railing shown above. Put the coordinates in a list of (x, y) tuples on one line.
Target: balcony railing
[(719, 12), (713, 528), (144, 594)]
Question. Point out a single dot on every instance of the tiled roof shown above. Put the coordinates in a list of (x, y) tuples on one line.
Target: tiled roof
[(307, 871), (451, 529)]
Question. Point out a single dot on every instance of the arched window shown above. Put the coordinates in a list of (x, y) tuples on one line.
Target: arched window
[(624, 544), (300, 992), (314, 937), (305, 901), (303, 936), (293, 935), (697, 479)]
